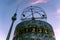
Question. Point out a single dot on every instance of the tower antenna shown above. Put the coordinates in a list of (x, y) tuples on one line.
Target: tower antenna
[(13, 20)]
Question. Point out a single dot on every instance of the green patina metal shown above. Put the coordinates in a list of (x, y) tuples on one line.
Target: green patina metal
[(34, 23)]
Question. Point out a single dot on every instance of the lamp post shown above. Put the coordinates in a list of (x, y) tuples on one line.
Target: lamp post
[(13, 20)]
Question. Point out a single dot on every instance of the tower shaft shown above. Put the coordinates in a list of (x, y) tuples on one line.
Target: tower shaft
[(13, 20)]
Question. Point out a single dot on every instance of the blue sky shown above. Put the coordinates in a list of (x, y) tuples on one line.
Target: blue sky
[(8, 8)]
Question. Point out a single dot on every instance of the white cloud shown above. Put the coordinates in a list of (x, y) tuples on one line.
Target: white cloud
[(39, 1), (58, 11), (57, 33)]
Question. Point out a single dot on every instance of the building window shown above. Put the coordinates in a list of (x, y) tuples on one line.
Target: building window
[(19, 38), (40, 30), (26, 36), (38, 39), (22, 31), (33, 29), (33, 37), (40, 35), (26, 30), (46, 31)]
